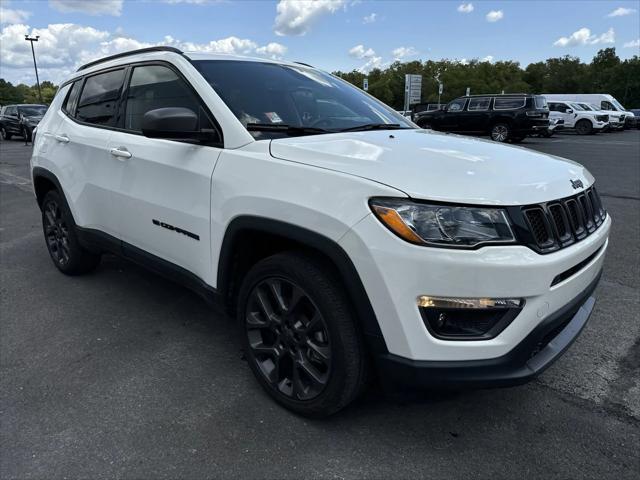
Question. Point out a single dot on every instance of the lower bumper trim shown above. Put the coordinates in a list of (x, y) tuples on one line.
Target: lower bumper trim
[(544, 345)]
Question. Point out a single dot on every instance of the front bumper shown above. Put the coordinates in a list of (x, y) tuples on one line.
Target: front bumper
[(534, 354), (395, 274)]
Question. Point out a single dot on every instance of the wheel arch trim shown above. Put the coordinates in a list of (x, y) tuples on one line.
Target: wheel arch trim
[(316, 241)]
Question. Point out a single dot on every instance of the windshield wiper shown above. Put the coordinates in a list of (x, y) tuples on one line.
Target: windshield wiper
[(372, 126), (283, 127)]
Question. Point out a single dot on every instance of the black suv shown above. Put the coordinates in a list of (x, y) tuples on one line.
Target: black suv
[(20, 120), (508, 117)]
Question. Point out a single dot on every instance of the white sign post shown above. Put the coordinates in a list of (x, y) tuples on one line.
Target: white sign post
[(440, 89), (365, 84), (412, 90), (468, 91)]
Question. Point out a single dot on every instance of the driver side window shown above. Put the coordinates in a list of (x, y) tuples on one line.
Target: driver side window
[(457, 105)]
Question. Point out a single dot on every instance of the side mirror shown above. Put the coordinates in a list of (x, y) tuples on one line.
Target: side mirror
[(173, 123), (569, 110)]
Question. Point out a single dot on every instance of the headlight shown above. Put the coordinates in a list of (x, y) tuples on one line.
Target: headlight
[(443, 225)]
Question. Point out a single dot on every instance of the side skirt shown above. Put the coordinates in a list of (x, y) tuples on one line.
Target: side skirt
[(100, 242)]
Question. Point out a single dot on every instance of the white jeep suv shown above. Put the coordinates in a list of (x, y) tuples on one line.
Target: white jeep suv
[(345, 240)]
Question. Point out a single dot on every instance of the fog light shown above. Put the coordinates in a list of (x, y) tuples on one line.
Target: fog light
[(468, 318)]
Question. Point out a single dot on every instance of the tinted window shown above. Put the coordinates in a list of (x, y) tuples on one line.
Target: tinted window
[(606, 105), (509, 103), (457, 105), (32, 110), (155, 86), (99, 98), (71, 101), (11, 111), (481, 103), (558, 107), (295, 95)]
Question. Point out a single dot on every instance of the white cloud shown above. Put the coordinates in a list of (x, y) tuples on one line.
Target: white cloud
[(402, 52), (9, 15), (584, 36), (488, 58), (370, 18), (274, 50), (65, 46), (295, 17), (90, 7), (372, 63), (465, 7), (359, 51), (632, 44), (495, 15), (621, 12)]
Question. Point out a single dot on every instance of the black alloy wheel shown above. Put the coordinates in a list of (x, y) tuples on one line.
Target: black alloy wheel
[(56, 232), (500, 132), (288, 338), (584, 127), (59, 228), (5, 135)]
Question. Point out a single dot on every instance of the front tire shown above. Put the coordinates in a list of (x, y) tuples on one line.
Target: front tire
[(584, 127), (300, 335), (5, 135), (61, 238), (500, 132)]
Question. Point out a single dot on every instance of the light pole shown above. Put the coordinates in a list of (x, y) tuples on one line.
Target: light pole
[(35, 65)]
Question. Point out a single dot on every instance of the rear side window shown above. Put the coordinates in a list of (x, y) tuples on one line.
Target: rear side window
[(509, 103), (99, 98), (478, 104), (71, 101), (156, 86)]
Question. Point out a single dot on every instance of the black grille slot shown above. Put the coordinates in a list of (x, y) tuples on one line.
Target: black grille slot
[(557, 224), (539, 227), (560, 223), (587, 212), (577, 223)]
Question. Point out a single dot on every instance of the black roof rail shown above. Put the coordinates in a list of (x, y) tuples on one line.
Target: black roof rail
[(305, 64), (130, 52)]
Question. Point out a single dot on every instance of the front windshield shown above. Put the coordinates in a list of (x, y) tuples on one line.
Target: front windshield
[(33, 110), (270, 94), (586, 106), (617, 104), (577, 106)]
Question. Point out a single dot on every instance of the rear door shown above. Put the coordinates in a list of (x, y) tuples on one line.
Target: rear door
[(79, 149), (562, 110), (163, 191), (475, 117)]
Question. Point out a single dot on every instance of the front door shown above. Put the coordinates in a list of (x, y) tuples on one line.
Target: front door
[(475, 118), (164, 192), (451, 119)]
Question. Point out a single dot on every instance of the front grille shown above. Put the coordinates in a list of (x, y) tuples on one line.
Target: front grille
[(553, 225)]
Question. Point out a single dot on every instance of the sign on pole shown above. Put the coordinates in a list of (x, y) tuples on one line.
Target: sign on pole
[(440, 88), (468, 91), (412, 90), (365, 84)]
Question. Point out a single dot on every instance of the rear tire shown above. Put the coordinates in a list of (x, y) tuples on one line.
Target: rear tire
[(500, 132), (61, 238), (584, 127), (300, 335)]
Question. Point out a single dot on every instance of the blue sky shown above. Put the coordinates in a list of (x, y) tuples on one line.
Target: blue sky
[(330, 34)]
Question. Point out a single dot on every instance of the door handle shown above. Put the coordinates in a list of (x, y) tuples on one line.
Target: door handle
[(120, 152), (62, 138)]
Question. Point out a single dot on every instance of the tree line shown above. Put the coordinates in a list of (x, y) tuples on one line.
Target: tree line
[(606, 73)]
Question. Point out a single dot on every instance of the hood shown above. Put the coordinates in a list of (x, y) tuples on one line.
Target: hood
[(437, 166), (34, 119)]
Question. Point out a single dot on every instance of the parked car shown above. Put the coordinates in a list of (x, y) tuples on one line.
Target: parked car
[(602, 101), (616, 119), (584, 122), (509, 117), (343, 245), (20, 119)]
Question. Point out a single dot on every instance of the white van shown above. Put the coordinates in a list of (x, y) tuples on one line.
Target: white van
[(602, 101)]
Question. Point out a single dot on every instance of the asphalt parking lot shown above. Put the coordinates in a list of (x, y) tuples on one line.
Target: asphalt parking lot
[(121, 373)]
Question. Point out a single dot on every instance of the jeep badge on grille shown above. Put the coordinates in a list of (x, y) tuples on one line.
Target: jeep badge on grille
[(576, 184)]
